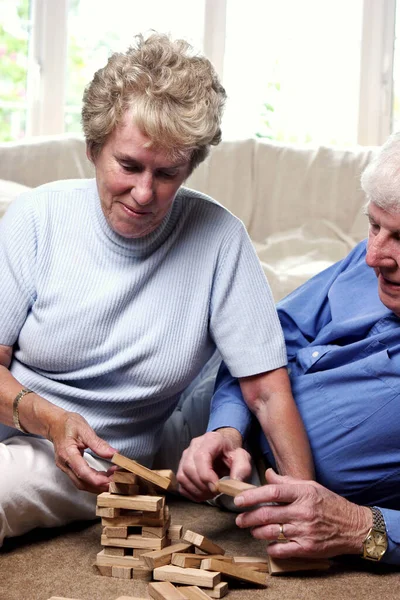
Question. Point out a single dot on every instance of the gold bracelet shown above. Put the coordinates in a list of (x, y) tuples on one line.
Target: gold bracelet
[(16, 402)]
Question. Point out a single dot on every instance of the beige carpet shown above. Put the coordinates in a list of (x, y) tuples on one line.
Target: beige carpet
[(60, 563)]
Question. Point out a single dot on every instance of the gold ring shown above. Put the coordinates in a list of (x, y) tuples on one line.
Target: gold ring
[(281, 537)]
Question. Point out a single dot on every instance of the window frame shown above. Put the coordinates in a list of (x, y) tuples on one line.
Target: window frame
[(47, 65)]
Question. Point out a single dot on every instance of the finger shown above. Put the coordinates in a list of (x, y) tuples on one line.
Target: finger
[(189, 481), (241, 464), (273, 531), (263, 515), (272, 476), (288, 550), (79, 484), (97, 445), (86, 474), (281, 493)]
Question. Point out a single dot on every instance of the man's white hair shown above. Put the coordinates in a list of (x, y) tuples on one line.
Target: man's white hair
[(381, 179)]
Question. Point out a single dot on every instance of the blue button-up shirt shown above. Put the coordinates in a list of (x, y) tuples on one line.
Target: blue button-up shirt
[(343, 350)]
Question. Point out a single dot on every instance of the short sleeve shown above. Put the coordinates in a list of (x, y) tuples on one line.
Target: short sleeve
[(18, 248), (243, 320)]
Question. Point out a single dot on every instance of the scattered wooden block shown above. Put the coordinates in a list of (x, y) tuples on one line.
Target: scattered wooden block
[(164, 591), (144, 472), (103, 560), (163, 557), (186, 560), (146, 503), (174, 532), (232, 487), (135, 541), (110, 513), (116, 532), (252, 562), (124, 477), (280, 566), (193, 592), (219, 591), (125, 489), (187, 576), (121, 572), (169, 474), (105, 570), (205, 562), (242, 573), (201, 542)]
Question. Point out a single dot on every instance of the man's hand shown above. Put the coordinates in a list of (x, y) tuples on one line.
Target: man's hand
[(210, 457), (316, 522), (71, 436)]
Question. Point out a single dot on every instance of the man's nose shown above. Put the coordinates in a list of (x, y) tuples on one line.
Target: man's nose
[(143, 189), (379, 252)]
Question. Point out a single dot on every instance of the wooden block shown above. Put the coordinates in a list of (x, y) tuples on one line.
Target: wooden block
[(280, 566), (116, 532), (252, 562), (174, 532), (147, 503), (142, 573), (193, 592), (160, 531), (201, 542), (144, 472), (121, 476), (219, 591), (232, 487), (187, 576), (103, 560), (164, 591), (242, 573), (133, 520), (186, 560), (205, 562), (130, 598), (163, 557), (169, 474), (137, 552), (112, 551), (105, 570), (121, 572), (125, 489), (61, 598), (110, 513), (135, 541)]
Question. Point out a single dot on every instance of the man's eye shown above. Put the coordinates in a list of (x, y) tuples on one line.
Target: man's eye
[(130, 168), (167, 174)]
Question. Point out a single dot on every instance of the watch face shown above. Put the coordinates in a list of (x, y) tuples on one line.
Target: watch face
[(376, 545)]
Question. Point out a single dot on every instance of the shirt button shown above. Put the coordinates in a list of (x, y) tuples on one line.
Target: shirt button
[(289, 370), (315, 354)]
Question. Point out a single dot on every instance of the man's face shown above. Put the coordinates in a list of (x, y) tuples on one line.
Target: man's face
[(137, 185), (383, 254)]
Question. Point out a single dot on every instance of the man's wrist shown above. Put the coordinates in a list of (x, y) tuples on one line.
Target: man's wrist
[(232, 434)]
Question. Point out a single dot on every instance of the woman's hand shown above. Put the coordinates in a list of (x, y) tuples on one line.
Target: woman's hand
[(210, 457), (71, 436), (316, 522)]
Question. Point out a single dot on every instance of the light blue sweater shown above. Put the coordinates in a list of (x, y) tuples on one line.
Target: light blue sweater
[(116, 329)]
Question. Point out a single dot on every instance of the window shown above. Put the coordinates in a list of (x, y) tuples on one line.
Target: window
[(318, 71)]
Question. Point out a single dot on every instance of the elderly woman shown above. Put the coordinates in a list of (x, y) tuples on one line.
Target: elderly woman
[(116, 291)]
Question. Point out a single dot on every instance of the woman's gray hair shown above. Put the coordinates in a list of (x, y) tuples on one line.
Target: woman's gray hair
[(173, 95), (381, 178)]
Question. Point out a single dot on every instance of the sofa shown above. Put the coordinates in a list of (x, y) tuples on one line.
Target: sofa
[(302, 207), (303, 210)]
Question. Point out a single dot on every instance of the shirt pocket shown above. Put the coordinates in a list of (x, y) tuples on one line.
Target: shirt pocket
[(357, 391)]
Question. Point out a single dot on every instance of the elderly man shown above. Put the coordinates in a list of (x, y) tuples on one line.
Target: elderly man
[(342, 331)]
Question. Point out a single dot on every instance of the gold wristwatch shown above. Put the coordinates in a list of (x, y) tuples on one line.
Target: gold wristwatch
[(376, 543)]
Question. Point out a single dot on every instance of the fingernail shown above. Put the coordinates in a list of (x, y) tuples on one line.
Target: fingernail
[(212, 488), (239, 500)]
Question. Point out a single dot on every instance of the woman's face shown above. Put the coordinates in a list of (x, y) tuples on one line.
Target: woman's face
[(136, 185)]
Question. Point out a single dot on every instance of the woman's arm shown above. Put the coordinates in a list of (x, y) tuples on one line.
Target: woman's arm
[(69, 432), (269, 397)]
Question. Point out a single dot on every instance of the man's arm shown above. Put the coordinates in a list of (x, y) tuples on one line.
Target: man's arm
[(269, 397)]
